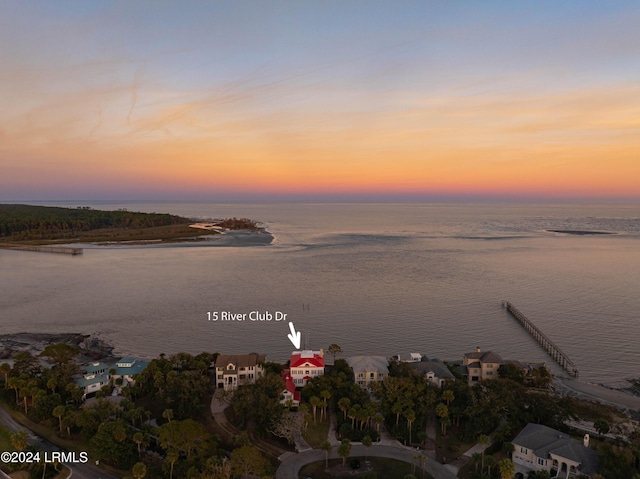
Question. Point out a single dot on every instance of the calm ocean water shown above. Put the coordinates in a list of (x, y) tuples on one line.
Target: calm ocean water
[(374, 278)]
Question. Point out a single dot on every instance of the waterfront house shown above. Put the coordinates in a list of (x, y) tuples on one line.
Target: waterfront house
[(433, 370), (305, 365), (478, 365), (541, 448), (95, 375), (238, 369), (126, 368), (290, 395), (368, 369)]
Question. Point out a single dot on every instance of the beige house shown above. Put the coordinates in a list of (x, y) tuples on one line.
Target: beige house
[(481, 365), (237, 370), (368, 369), (541, 448)]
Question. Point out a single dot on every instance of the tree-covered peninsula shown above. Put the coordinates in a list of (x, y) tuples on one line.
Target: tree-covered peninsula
[(44, 224)]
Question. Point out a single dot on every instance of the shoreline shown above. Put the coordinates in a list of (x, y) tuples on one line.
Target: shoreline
[(92, 348), (230, 238)]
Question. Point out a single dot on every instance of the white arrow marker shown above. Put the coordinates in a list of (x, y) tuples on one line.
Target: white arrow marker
[(294, 337)]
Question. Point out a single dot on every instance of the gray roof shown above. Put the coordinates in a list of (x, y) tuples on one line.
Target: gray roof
[(368, 364), (240, 360), (544, 441), (485, 357), (435, 366)]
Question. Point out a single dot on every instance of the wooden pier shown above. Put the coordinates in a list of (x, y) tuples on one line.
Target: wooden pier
[(554, 351), (42, 249)]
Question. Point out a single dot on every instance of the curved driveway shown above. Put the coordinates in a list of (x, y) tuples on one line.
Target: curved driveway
[(291, 463)]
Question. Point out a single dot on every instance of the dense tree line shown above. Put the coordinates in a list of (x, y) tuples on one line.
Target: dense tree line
[(44, 222), (119, 433)]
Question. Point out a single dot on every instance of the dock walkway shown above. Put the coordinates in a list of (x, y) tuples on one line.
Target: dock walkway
[(554, 351)]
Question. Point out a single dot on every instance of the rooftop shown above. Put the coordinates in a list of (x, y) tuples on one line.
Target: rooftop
[(545, 441)]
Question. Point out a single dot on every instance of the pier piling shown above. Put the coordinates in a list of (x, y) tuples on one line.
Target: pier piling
[(554, 351)]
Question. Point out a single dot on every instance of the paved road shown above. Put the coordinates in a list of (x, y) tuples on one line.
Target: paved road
[(291, 463), (78, 471)]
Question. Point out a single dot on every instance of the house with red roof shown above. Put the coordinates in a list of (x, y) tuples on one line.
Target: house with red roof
[(305, 365), (290, 396)]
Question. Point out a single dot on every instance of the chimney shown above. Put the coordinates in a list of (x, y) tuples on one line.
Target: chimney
[(478, 348), (585, 440), (321, 353)]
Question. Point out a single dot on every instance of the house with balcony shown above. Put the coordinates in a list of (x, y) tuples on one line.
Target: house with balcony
[(238, 369), (306, 365), (368, 369), (480, 365), (541, 448), (95, 375)]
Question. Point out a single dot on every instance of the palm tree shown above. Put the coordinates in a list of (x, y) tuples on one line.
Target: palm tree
[(326, 395), (139, 470), (507, 468), (168, 414), (366, 442), (139, 439), (344, 449), (442, 411), (448, 396), (326, 447), (19, 440), (378, 419), (315, 402), (58, 412), (172, 457), (334, 349), (344, 404), (410, 415)]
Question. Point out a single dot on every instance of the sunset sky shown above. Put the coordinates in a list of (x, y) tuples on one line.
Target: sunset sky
[(356, 100)]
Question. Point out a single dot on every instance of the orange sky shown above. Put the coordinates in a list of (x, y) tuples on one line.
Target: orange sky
[(375, 121)]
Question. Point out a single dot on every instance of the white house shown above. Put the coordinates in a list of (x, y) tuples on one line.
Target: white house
[(305, 365), (290, 396)]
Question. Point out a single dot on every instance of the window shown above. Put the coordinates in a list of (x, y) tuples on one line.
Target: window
[(372, 375), (489, 373), (523, 450), (542, 462)]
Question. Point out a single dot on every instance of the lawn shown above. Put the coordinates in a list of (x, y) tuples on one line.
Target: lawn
[(316, 433)]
